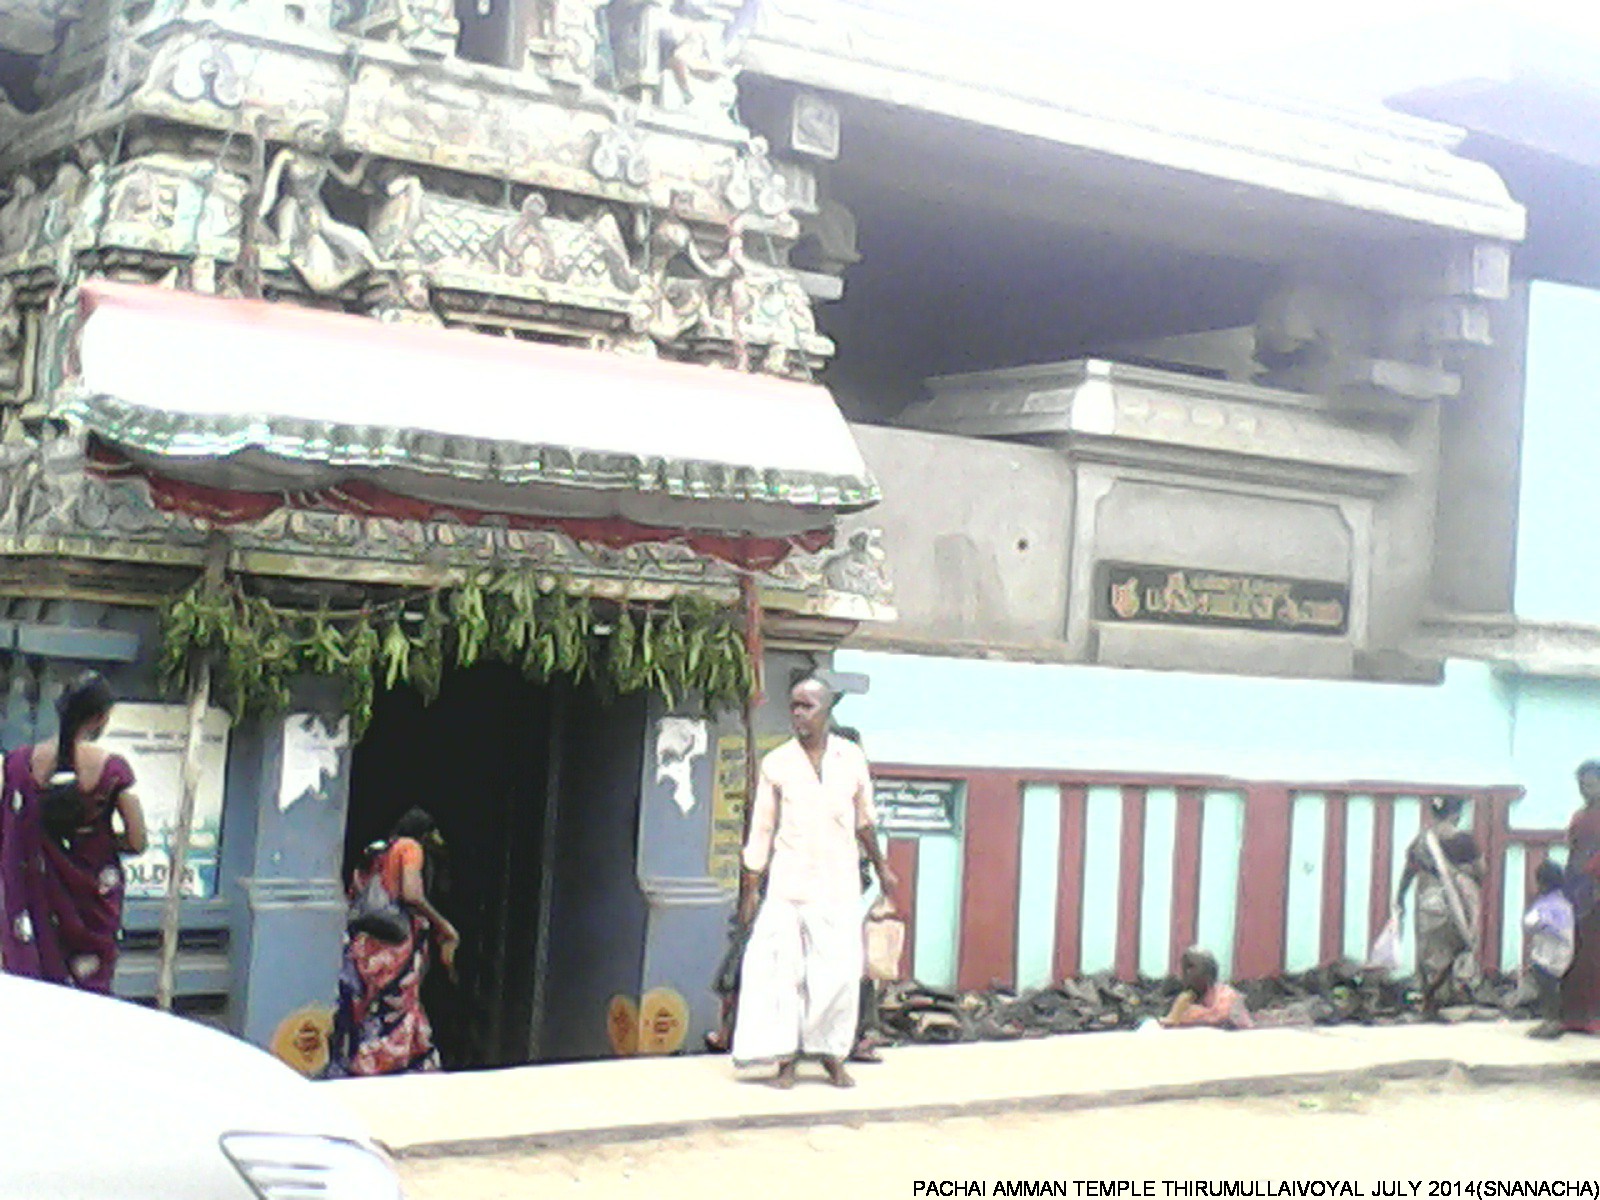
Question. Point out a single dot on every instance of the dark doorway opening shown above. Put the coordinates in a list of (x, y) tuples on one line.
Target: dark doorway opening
[(535, 788), (478, 759)]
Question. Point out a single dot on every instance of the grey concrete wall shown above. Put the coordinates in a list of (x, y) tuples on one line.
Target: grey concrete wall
[(1403, 538), (976, 535), (1480, 439)]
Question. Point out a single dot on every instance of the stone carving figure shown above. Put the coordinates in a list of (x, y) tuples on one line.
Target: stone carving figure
[(681, 277), (325, 252), (523, 245), (680, 54), (573, 27), (10, 118), (405, 298), (18, 216), (605, 241), (753, 184), (699, 45), (619, 150), (427, 28), (860, 568), (11, 347), (672, 242)]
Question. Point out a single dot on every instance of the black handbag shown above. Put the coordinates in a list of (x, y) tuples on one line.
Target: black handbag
[(374, 912), (63, 808)]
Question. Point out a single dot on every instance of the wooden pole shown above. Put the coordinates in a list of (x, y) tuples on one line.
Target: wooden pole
[(193, 744), (751, 596)]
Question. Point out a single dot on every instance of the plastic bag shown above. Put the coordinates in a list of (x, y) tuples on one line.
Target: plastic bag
[(377, 914), (886, 938), (1385, 954)]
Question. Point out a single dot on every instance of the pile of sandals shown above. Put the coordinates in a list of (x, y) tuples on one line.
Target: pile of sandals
[(1333, 995)]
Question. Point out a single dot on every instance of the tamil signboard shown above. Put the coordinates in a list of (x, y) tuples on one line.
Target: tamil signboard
[(918, 806), (728, 795), (1135, 592), (150, 737)]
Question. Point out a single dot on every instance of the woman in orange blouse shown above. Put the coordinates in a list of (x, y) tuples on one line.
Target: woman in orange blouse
[(381, 1027)]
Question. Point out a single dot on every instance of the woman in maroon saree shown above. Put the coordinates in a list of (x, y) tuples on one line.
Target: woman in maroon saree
[(1580, 989), (61, 897)]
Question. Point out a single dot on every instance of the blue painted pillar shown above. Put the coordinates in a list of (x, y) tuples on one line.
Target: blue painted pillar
[(688, 872), (293, 775)]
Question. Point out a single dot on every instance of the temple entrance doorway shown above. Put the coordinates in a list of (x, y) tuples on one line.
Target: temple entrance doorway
[(535, 789)]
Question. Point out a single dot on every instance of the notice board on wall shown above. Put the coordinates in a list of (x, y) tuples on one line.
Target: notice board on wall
[(151, 738)]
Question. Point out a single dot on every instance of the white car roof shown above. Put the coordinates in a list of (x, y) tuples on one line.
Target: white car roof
[(105, 1097)]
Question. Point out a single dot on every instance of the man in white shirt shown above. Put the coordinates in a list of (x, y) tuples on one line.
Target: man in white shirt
[(813, 818)]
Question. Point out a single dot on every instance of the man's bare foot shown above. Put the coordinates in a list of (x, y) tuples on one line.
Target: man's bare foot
[(865, 1052), (785, 1077), (837, 1075)]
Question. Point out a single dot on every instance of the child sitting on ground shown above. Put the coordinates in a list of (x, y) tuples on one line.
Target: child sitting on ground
[(1549, 926), (1204, 1000)]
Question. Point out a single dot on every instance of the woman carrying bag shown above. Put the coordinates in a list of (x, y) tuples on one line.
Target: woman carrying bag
[(1447, 866), (380, 1027)]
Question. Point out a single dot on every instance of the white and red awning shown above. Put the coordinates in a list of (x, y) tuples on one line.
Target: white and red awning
[(262, 398)]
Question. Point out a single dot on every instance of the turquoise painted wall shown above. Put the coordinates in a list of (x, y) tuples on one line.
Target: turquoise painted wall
[(969, 712), (1221, 836), (1556, 726), (1038, 876), (1473, 729), (1558, 577)]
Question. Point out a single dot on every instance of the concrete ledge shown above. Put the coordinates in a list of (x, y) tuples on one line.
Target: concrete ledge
[(532, 1108)]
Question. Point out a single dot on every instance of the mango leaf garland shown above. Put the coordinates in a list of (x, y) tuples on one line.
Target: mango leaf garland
[(689, 646)]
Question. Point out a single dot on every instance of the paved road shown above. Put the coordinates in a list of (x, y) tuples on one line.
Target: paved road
[(1426, 1132)]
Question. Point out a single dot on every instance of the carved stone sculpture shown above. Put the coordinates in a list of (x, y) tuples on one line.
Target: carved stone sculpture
[(427, 28), (699, 73), (174, 204), (571, 28), (754, 185), (405, 299), (680, 54), (464, 239), (326, 253), (19, 218), (206, 71), (11, 340), (619, 152), (37, 225)]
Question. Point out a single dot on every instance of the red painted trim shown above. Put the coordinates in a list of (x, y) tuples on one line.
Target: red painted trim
[(991, 875), (1380, 901), (1536, 837), (1530, 869), (1069, 883), (1130, 887), (1263, 883), (1489, 816), (1186, 874), (1155, 779), (1333, 867), (903, 862)]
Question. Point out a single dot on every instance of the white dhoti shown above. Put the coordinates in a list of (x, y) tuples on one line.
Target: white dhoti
[(799, 988)]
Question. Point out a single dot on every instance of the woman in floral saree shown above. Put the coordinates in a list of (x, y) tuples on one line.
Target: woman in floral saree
[(380, 1027)]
